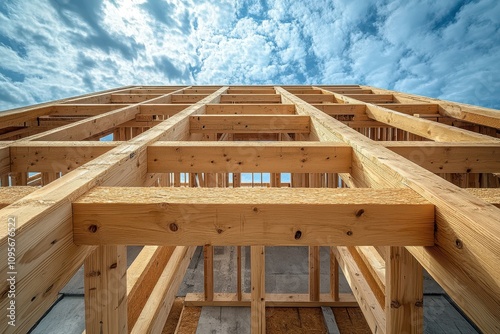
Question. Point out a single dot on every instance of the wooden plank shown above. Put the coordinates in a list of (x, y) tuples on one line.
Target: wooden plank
[(188, 98), (156, 310), (317, 98), (251, 90), (250, 98), (208, 272), (44, 232), (249, 124), (371, 98), (467, 235), (419, 126), (235, 157), (357, 110), (450, 157), (84, 109), (412, 108), (404, 295), (258, 303), (373, 312), (142, 276), (314, 273), (10, 195), (245, 109), (162, 109), (133, 98), (474, 114), (276, 216), (106, 290), (48, 156), (272, 300)]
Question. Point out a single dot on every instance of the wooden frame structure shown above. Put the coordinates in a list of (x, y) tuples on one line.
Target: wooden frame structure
[(389, 181)]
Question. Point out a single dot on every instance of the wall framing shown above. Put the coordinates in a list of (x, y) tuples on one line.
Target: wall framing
[(367, 156)]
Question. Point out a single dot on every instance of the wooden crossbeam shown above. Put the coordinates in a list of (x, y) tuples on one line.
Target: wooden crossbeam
[(419, 126), (229, 157), (450, 157), (44, 218), (249, 124), (467, 235), (239, 216), (84, 109), (465, 112), (49, 156), (250, 98), (222, 299), (240, 108), (162, 109)]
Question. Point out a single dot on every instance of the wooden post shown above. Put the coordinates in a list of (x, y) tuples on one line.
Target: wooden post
[(258, 303), (105, 283), (403, 292)]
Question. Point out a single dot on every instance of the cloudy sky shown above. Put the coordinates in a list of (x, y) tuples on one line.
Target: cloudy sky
[(51, 49)]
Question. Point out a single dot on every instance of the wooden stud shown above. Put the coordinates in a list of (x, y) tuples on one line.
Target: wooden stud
[(258, 290)]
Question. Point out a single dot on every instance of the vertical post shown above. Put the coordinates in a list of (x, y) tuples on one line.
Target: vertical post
[(258, 303), (106, 290), (314, 273), (334, 275), (208, 271), (403, 292)]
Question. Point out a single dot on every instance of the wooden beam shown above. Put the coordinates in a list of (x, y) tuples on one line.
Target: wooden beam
[(229, 157), (462, 111), (9, 195), (419, 126), (44, 230), (250, 98), (450, 157), (412, 108), (84, 109), (142, 277), (255, 109), (106, 290), (370, 98), (249, 124), (258, 276), (48, 156), (373, 312), (162, 109), (404, 296), (158, 306), (186, 216), (467, 235)]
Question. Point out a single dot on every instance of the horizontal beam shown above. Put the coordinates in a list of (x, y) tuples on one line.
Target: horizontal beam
[(162, 109), (450, 157), (236, 157), (250, 98), (252, 216), (49, 156), (240, 108), (419, 126), (272, 300), (84, 109), (249, 124)]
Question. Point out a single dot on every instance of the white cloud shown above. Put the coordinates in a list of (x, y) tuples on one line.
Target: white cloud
[(433, 48)]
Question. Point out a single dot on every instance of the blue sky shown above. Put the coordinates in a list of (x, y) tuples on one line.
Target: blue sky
[(51, 49)]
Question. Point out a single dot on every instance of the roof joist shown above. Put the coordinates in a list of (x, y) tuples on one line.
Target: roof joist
[(239, 216)]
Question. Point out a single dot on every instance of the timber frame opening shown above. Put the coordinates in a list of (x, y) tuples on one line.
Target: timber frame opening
[(392, 183)]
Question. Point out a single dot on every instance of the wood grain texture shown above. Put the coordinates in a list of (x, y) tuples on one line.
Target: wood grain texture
[(240, 216)]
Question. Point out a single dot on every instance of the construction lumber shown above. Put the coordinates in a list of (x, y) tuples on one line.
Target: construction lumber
[(373, 312), (156, 310), (239, 216), (250, 109), (419, 126), (258, 304), (142, 276), (232, 157), (44, 232), (250, 98), (450, 157), (272, 300), (106, 307), (47, 156), (249, 124), (462, 111), (467, 249)]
